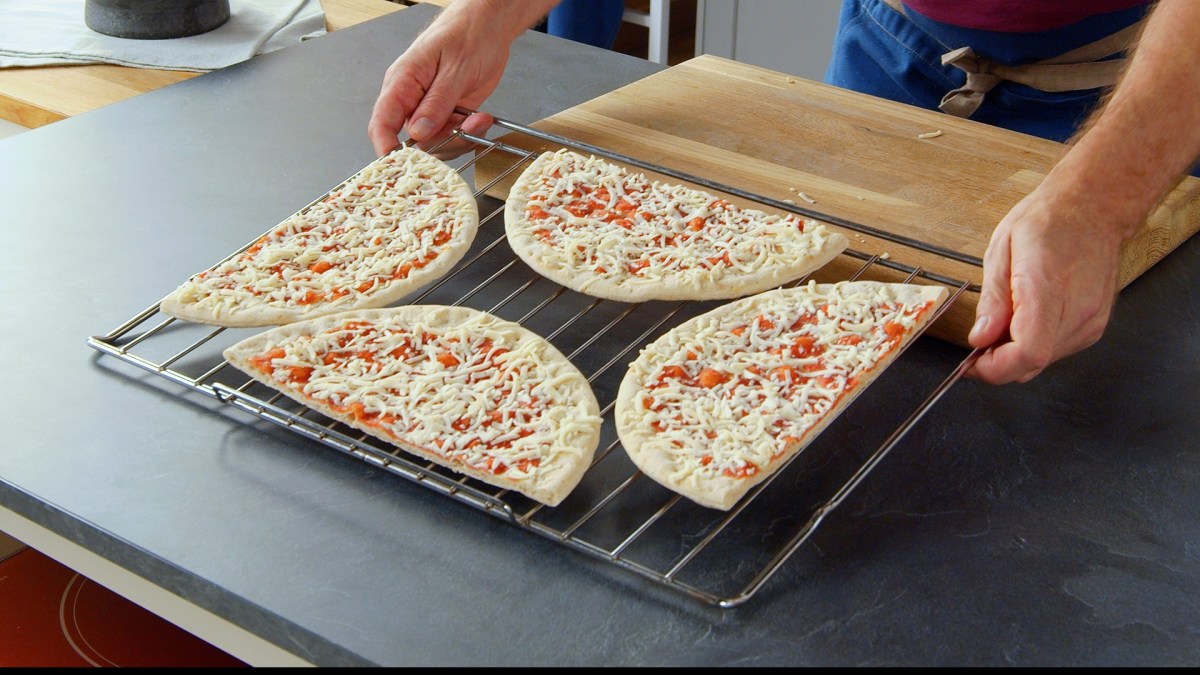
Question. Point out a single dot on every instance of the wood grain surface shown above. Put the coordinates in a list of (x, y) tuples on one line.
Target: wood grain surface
[(902, 170)]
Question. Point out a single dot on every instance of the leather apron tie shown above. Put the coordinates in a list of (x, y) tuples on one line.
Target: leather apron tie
[(1077, 69)]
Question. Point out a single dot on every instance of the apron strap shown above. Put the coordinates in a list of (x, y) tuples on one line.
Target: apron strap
[(1077, 69)]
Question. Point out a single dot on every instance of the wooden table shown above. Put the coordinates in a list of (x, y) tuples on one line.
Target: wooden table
[(33, 97)]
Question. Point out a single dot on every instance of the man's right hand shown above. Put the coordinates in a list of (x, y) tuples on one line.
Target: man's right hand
[(457, 61)]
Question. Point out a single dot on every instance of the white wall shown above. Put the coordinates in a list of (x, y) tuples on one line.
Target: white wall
[(790, 36)]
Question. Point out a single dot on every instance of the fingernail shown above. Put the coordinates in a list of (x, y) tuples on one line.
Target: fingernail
[(421, 129), (980, 325)]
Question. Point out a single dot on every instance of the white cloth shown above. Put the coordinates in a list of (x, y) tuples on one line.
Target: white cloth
[(53, 32)]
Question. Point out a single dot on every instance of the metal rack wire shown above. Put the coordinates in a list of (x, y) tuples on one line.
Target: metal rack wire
[(614, 514)]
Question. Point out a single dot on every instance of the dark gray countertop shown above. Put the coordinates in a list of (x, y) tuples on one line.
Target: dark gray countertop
[(1053, 523)]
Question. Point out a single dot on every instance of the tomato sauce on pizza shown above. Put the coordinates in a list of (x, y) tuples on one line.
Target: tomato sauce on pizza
[(732, 393), (468, 392), (397, 224), (601, 229)]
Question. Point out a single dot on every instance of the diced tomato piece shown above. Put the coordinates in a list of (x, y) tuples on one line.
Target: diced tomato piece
[(706, 460), (652, 405), (638, 266), (710, 378), (447, 359), (744, 472), (723, 258), (536, 212), (765, 324), (674, 372), (696, 223), (804, 320), (360, 413), (264, 361), (805, 346), (782, 373), (740, 330), (579, 210), (299, 374)]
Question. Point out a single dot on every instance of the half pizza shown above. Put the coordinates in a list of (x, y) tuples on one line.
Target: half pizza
[(722, 401), (459, 387), (400, 223), (599, 229)]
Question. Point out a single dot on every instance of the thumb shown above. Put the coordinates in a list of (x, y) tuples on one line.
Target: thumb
[(995, 309), (434, 111)]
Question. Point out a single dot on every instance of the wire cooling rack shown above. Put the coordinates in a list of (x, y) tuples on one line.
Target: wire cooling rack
[(615, 514)]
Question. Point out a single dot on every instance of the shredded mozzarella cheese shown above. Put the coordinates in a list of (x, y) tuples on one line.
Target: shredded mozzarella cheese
[(774, 370), (383, 224), (619, 225), (469, 393)]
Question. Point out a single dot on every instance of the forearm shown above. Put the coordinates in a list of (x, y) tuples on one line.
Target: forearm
[(1147, 135), (503, 19)]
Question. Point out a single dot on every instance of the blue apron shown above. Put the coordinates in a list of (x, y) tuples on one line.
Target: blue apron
[(879, 51)]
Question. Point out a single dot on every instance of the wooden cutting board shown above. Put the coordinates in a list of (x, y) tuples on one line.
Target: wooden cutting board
[(857, 157)]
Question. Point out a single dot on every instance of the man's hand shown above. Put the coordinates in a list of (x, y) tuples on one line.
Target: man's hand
[(1049, 281), (457, 61), (1050, 271)]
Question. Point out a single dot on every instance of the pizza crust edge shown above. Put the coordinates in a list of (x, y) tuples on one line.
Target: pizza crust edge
[(720, 491), (253, 316), (632, 289), (551, 487)]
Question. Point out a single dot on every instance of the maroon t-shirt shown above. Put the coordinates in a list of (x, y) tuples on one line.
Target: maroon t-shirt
[(1016, 16)]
